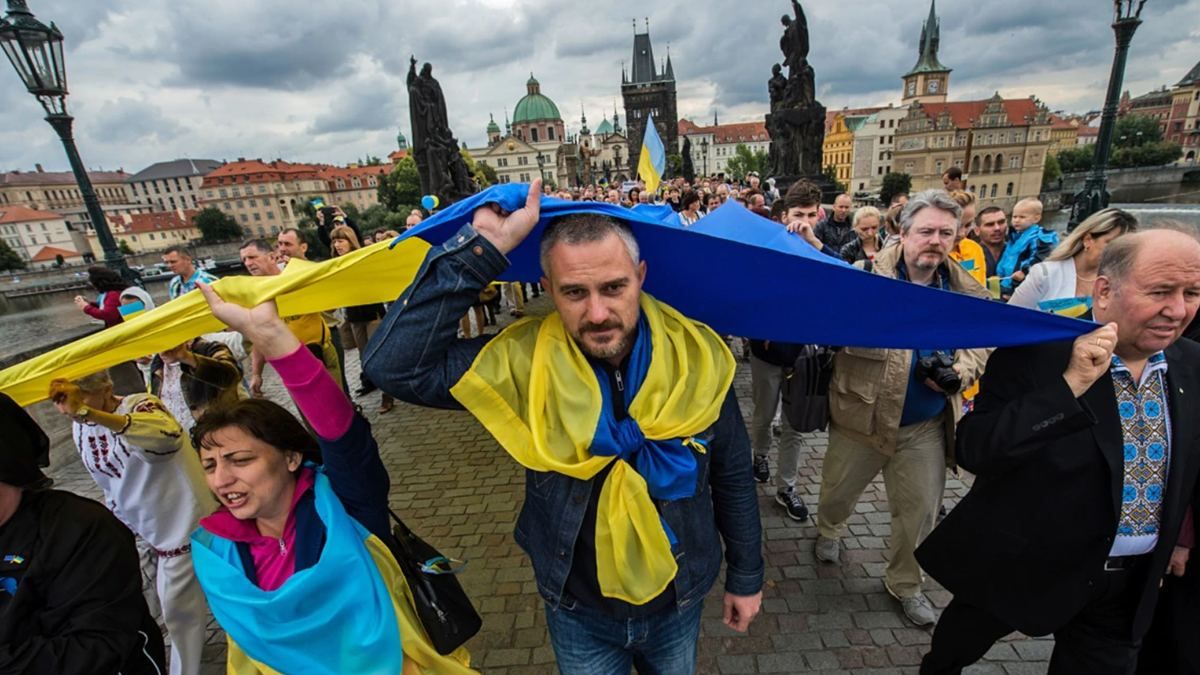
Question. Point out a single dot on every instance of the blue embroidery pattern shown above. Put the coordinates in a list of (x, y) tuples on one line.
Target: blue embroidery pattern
[(1146, 433)]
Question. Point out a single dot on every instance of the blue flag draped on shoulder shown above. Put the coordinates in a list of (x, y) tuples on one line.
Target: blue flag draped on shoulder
[(745, 275), (653, 162)]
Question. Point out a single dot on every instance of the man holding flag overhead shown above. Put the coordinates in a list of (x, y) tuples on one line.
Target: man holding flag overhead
[(653, 162), (623, 413)]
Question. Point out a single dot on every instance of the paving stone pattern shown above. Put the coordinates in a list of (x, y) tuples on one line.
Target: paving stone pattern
[(454, 486)]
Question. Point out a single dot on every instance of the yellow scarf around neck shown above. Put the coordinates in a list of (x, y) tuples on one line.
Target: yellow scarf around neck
[(535, 391)]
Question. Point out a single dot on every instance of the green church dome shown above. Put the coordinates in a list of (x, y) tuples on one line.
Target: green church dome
[(534, 106), (605, 127), (492, 127)]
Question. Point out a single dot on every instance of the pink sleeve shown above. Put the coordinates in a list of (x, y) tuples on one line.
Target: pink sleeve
[(1187, 535), (321, 400)]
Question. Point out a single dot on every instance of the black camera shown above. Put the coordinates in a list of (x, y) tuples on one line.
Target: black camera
[(938, 368)]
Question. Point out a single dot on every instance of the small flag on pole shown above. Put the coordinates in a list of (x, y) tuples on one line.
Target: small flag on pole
[(653, 162)]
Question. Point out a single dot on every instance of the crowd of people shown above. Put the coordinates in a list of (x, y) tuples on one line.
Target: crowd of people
[(1083, 454)]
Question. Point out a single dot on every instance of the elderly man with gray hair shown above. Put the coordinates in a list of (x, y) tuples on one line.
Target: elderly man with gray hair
[(894, 410), (152, 481)]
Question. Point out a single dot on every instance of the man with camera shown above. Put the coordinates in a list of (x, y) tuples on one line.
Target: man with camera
[(894, 410)]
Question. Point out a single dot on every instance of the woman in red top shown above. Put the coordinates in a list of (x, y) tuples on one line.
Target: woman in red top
[(107, 306)]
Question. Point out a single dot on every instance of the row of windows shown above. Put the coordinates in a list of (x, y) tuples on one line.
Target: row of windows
[(983, 190), (990, 166), (160, 186)]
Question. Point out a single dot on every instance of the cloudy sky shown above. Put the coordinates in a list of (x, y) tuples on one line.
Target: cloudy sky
[(160, 79)]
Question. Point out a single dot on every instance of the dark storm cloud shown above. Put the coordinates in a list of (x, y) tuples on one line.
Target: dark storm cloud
[(369, 108), (264, 77)]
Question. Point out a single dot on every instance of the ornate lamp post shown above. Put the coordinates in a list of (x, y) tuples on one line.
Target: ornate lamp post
[(704, 154), (1094, 196), (541, 160), (35, 51)]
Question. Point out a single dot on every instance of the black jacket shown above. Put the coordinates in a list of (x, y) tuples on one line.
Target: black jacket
[(78, 605), (1032, 535), (214, 379), (853, 251), (835, 235)]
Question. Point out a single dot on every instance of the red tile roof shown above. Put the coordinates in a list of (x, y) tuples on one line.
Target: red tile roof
[(257, 171), (155, 222), (50, 253), (397, 155), (12, 178), (23, 214), (741, 132), (963, 113)]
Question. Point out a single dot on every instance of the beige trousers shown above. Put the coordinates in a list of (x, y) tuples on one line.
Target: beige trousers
[(914, 477)]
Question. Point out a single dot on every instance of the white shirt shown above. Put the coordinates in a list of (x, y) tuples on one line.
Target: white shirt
[(149, 473), (1048, 280)]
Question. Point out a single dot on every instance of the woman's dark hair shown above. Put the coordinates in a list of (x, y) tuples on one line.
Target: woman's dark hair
[(105, 280), (689, 197), (268, 422)]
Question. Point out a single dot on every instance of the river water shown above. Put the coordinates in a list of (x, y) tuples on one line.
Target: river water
[(45, 319)]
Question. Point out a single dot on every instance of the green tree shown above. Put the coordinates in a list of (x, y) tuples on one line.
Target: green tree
[(485, 175), (351, 212), (1132, 131), (1074, 160), (1146, 154), (123, 246), (9, 260), (894, 184), (371, 220), (1051, 171), (400, 190), (744, 161), (831, 175), (215, 225), (59, 260), (674, 165)]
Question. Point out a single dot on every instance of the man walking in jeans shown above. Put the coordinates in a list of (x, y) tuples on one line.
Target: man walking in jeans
[(628, 499)]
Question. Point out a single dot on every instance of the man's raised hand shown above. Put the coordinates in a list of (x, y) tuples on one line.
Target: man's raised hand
[(505, 230)]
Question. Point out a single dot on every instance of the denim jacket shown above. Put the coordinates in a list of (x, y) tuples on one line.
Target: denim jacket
[(414, 356)]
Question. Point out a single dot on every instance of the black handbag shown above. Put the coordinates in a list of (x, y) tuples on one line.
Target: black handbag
[(442, 605)]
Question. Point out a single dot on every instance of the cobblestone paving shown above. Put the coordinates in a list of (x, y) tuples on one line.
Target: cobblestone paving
[(456, 487)]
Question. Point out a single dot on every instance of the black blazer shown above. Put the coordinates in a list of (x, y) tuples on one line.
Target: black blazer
[(1032, 535)]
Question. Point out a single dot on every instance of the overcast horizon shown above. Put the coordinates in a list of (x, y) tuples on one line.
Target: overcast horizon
[(155, 80)]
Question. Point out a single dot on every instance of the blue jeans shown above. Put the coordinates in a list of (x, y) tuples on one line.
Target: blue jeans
[(590, 642)]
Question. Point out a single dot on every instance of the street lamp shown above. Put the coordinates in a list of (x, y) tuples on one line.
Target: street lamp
[(35, 51), (541, 160), (704, 154), (1094, 196)]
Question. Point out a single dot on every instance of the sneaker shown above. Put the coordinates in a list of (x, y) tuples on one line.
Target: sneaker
[(796, 510), (762, 469), (917, 608), (828, 550)]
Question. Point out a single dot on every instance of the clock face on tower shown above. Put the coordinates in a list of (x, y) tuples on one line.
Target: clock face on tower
[(912, 88), (933, 86)]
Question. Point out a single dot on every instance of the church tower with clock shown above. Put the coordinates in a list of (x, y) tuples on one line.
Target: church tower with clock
[(929, 80)]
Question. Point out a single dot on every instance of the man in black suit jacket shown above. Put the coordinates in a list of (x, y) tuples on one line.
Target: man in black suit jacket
[(1077, 504)]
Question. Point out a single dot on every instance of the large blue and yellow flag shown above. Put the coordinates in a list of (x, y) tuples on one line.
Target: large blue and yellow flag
[(653, 162)]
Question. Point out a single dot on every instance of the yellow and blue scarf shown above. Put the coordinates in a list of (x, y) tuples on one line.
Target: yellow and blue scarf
[(536, 392), (351, 612)]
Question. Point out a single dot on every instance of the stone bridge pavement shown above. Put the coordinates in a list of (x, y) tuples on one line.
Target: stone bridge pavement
[(456, 488)]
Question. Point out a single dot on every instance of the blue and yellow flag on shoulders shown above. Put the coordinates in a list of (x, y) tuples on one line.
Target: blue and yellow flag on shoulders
[(653, 162)]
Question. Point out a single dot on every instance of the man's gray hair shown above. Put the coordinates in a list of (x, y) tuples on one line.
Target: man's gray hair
[(928, 199), (94, 383), (1120, 254), (581, 228)]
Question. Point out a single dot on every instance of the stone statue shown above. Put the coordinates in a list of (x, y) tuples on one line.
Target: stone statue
[(776, 86), (435, 150), (797, 121)]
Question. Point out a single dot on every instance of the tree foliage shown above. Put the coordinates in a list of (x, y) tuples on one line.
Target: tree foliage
[(1051, 171), (831, 175), (1157, 153), (1132, 131), (894, 184), (744, 161), (9, 259), (215, 225), (400, 190), (674, 165), (1079, 158), (123, 247)]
